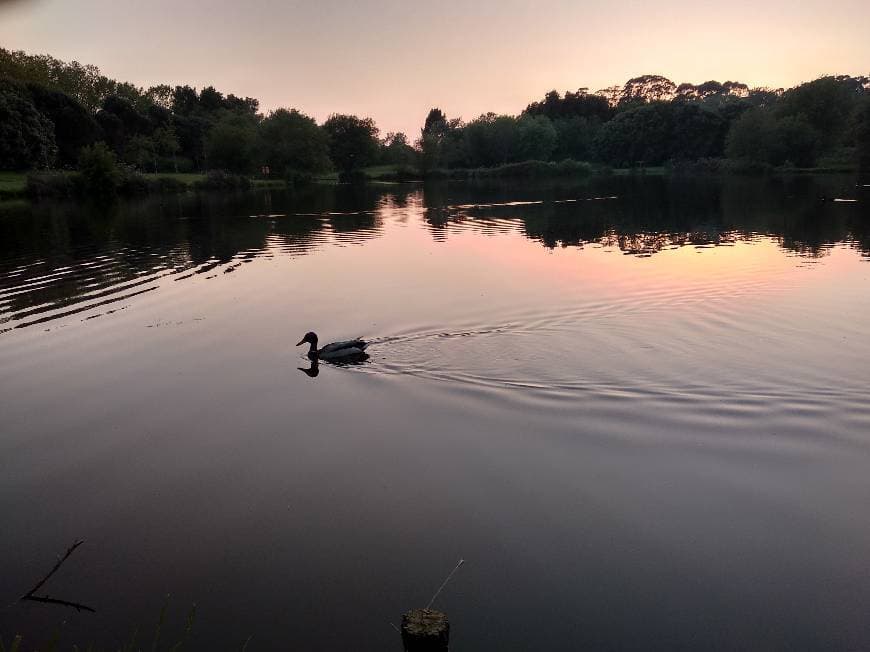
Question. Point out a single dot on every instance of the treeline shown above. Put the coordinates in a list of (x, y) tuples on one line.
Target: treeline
[(51, 112), (650, 121)]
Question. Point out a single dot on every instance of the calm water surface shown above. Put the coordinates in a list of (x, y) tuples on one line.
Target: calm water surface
[(638, 408)]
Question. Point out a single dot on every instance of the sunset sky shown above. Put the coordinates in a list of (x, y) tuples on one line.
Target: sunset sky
[(393, 59)]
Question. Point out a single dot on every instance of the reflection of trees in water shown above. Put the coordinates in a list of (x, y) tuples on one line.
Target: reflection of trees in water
[(655, 213), (56, 254), (53, 255), (346, 213)]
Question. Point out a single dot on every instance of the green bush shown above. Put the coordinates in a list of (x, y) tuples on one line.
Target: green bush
[(220, 180), (843, 159), (159, 639), (166, 185), (99, 170), (132, 182), (401, 173), (699, 166), (524, 170), (352, 176), (720, 166), (61, 185), (295, 178), (746, 166), (43, 185), (26, 135)]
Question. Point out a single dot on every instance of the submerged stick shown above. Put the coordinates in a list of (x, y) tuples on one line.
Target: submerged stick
[(78, 606), (31, 594)]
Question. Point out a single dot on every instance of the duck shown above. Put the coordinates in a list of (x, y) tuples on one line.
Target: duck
[(337, 351)]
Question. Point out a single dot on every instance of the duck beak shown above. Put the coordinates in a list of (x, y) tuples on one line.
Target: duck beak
[(300, 342)]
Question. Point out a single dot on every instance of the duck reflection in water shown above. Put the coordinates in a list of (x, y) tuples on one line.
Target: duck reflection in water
[(313, 369)]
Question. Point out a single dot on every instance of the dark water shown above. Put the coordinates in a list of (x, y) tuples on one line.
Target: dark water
[(638, 408)]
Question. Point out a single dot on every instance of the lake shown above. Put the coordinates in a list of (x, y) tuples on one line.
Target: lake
[(638, 407)]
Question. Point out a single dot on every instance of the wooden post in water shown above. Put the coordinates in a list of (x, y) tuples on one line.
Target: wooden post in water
[(425, 630)]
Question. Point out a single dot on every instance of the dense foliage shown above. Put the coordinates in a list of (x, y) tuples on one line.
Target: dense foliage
[(99, 169), (652, 121), (26, 135), (292, 143), (353, 142), (862, 135), (51, 112)]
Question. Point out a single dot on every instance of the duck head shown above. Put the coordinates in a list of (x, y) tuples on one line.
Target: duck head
[(310, 338)]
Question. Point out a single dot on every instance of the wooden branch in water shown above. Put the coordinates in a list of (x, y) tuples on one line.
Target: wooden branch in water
[(66, 603), (60, 561), (31, 594)]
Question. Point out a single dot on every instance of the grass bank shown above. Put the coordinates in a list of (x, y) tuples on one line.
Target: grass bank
[(524, 170), (12, 184), (377, 174), (192, 179), (15, 185)]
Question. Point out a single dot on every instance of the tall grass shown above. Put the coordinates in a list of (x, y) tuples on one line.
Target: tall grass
[(132, 645), (523, 170)]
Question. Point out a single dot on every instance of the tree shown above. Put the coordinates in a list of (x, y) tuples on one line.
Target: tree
[(191, 132), (74, 126), (536, 138), (353, 142), (795, 141), (611, 95), (637, 135), (760, 136), (695, 132), (825, 104), (491, 140), (26, 136), (242, 105), (862, 135), (442, 142), (395, 150), (436, 123), (231, 145), (121, 120), (577, 104), (161, 95), (575, 137), (292, 142), (98, 166), (166, 144), (185, 100), (141, 152), (710, 90), (750, 136), (210, 100), (762, 96), (645, 89), (84, 83), (661, 131)]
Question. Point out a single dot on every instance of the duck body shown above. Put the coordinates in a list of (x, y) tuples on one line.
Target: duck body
[(336, 351)]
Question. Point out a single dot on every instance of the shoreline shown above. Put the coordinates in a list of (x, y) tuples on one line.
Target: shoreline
[(13, 185)]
